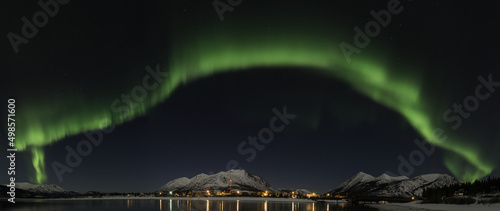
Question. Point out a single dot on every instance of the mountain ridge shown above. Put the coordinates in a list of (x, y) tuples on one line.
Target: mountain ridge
[(388, 186), (237, 180)]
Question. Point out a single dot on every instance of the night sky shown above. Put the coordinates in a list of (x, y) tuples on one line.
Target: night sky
[(219, 81)]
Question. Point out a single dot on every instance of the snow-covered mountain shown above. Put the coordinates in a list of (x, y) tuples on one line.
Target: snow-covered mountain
[(385, 185), (40, 188), (27, 190), (241, 181), (176, 184)]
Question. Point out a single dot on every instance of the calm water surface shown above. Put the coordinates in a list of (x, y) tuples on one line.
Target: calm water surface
[(177, 205)]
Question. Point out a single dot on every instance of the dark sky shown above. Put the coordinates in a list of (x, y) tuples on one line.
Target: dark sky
[(94, 51)]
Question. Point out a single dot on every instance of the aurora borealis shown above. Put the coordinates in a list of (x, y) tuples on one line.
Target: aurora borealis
[(195, 50)]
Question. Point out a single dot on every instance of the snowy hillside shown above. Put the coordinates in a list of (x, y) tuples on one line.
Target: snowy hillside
[(176, 184), (241, 180), (385, 185), (43, 188)]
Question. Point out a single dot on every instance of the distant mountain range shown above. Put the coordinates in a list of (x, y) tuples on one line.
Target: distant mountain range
[(220, 182), (26, 189), (363, 184), (43, 188)]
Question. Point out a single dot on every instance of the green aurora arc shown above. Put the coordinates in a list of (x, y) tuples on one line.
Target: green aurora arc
[(204, 55)]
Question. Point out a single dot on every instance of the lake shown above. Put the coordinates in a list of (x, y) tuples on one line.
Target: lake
[(175, 204)]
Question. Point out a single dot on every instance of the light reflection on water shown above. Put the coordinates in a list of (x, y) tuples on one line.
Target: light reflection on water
[(234, 205), (167, 204)]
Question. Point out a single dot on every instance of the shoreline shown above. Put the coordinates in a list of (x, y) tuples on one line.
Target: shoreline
[(192, 198)]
